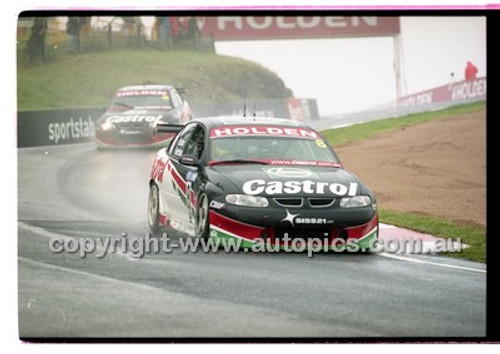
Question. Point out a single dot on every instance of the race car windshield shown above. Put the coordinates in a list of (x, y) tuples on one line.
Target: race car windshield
[(142, 101), (273, 149)]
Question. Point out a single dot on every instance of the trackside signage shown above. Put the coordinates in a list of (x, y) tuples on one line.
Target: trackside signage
[(458, 91), (292, 27), (56, 127)]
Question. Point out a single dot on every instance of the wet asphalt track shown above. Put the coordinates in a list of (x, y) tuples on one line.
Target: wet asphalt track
[(76, 191)]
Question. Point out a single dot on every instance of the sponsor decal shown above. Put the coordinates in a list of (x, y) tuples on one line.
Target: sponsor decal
[(134, 118), (259, 186), (182, 187), (313, 221), (128, 93), (139, 109), (294, 219), (135, 111), (158, 170), (290, 172), (289, 217), (295, 163), (304, 163), (263, 131), (321, 143), (191, 176), (150, 108), (216, 205)]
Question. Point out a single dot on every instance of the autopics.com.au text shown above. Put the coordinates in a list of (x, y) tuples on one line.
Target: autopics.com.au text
[(137, 247)]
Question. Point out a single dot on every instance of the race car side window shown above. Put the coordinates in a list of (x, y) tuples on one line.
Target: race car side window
[(178, 146), (176, 99), (195, 143)]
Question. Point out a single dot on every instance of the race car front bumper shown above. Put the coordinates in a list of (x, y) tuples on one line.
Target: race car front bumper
[(357, 229)]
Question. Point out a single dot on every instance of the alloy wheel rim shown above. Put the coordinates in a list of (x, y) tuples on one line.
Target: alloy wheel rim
[(153, 204), (202, 216)]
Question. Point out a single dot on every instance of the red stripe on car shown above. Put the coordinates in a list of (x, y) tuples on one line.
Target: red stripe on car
[(362, 230), (179, 181), (164, 220), (234, 226)]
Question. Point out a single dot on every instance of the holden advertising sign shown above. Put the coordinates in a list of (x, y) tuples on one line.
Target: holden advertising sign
[(293, 27), (469, 90)]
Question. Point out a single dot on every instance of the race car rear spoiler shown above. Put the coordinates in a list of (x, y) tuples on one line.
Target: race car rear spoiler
[(168, 128)]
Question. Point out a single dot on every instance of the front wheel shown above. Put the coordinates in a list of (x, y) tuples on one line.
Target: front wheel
[(154, 208), (202, 220)]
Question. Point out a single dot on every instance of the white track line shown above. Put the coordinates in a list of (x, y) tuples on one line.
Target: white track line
[(87, 274), (49, 234), (386, 226), (444, 265)]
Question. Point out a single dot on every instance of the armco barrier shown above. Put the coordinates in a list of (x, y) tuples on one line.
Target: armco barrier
[(70, 126)]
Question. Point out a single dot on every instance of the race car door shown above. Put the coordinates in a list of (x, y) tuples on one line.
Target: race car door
[(183, 199)]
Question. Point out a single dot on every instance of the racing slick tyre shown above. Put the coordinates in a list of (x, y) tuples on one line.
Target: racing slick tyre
[(154, 208), (202, 222)]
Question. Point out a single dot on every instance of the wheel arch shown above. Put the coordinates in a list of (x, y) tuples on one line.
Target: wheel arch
[(161, 206)]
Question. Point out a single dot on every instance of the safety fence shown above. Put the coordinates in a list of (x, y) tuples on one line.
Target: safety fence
[(99, 34)]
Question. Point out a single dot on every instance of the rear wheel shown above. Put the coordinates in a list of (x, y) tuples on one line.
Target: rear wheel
[(154, 208), (202, 222)]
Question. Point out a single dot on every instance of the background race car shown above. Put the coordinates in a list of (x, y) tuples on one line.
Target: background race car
[(134, 113), (259, 180)]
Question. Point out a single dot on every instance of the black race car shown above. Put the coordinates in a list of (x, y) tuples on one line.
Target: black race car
[(134, 113), (259, 179)]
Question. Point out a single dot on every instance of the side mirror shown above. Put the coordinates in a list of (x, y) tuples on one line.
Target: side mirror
[(189, 160), (168, 128)]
